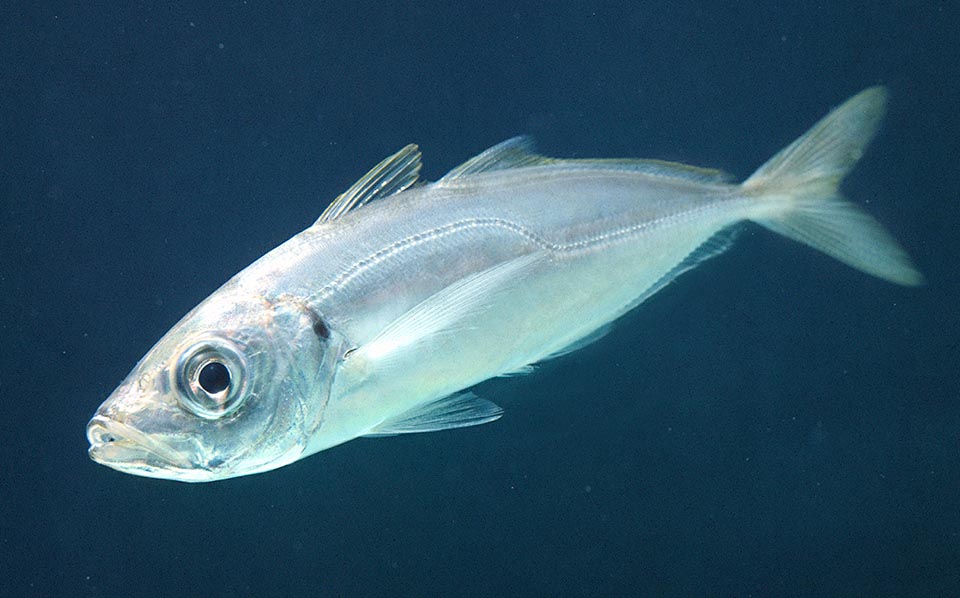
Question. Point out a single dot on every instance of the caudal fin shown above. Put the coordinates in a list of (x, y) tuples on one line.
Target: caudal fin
[(797, 192)]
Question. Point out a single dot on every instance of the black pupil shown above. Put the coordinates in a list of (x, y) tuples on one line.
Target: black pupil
[(214, 377)]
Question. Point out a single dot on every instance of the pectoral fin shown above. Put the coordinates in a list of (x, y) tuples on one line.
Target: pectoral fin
[(455, 411), (451, 310)]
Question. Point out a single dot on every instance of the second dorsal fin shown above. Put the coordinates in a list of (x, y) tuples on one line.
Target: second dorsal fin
[(512, 153), (518, 152), (391, 176), (656, 168)]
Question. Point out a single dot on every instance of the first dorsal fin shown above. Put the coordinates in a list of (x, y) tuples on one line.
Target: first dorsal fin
[(512, 153), (391, 176)]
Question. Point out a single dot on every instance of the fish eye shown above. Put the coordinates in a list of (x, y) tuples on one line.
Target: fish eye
[(211, 379), (214, 377)]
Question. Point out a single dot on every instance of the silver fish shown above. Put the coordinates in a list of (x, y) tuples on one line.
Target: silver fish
[(376, 319)]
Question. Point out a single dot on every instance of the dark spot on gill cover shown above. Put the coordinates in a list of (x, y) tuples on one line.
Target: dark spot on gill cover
[(317, 324), (319, 327)]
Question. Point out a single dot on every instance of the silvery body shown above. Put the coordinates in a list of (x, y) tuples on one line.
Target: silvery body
[(375, 320)]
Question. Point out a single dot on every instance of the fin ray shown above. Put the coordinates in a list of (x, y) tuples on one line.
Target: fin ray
[(454, 411), (657, 168), (798, 195), (582, 342), (447, 311), (518, 152), (515, 152), (391, 176), (721, 241)]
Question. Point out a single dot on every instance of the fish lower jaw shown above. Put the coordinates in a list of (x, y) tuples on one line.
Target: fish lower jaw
[(118, 446)]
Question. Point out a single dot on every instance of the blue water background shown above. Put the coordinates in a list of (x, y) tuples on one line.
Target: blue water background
[(773, 424)]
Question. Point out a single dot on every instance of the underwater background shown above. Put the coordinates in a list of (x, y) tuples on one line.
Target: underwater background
[(772, 424)]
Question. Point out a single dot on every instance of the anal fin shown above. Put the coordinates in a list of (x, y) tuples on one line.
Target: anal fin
[(712, 247)]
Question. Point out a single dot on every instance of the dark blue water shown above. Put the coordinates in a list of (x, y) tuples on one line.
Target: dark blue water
[(773, 424)]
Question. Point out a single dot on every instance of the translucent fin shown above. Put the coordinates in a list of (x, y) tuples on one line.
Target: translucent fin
[(523, 370), (574, 346), (512, 153), (455, 411), (797, 192), (453, 309), (658, 168), (712, 247), (580, 343), (830, 149), (391, 176), (847, 233), (518, 152)]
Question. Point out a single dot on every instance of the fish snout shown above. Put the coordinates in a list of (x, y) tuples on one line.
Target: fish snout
[(102, 430), (123, 447)]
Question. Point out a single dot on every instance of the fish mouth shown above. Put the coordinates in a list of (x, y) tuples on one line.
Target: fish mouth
[(124, 448)]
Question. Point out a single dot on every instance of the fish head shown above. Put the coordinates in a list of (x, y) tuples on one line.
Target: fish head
[(235, 388)]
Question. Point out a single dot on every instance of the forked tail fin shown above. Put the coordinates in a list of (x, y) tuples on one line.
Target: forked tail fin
[(797, 192)]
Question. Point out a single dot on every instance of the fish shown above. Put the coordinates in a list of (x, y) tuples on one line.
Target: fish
[(380, 318)]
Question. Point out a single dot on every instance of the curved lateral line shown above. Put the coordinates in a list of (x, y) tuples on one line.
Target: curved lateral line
[(461, 225)]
